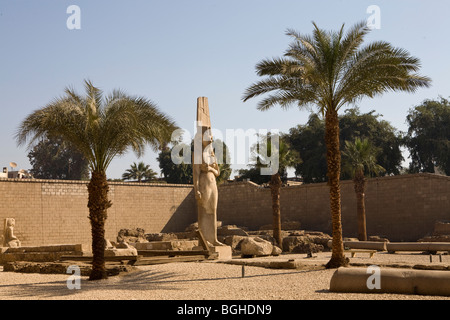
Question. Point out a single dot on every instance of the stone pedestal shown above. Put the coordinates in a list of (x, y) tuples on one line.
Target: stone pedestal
[(48, 253), (224, 252)]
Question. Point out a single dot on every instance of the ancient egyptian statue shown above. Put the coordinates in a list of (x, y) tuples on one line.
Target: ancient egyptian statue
[(10, 240), (205, 170)]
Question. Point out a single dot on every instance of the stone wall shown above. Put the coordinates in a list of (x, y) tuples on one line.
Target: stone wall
[(55, 212), (402, 208)]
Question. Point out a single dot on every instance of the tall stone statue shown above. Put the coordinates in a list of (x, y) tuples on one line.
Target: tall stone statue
[(205, 170)]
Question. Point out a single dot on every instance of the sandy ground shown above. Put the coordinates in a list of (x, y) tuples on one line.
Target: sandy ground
[(210, 280)]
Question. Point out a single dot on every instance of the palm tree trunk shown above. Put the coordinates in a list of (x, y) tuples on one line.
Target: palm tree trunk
[(275, 189), (360, 182), (98, 205), (338, 258)]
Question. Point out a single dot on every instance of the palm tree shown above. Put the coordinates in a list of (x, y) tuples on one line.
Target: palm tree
[(224, 163), (139, 171), (359, 160), (263, 152), (101, 128), (331, 69)]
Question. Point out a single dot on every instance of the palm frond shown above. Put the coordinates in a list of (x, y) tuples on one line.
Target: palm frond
[(331, 69), (100, 128), (360, 155), (378, 68)]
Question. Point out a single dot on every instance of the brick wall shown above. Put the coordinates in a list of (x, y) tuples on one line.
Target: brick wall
[(402, 208), (54, 212)]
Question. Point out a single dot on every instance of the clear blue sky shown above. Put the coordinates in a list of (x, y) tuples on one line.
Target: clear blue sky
[(174, 51)]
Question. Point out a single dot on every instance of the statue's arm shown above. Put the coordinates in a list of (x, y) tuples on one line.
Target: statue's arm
[(195, 180), (214, 169)]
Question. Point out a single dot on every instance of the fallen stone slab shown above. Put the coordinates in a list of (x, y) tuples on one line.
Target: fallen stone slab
[(391, 280), (47, 248), (286, 264), (121, 252), (34, 256), (47, 253), (160, 236), (432, 247), (369, 245), (231, 230), (167, 245)]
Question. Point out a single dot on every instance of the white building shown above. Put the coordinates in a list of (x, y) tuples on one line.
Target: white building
[(21, 174)]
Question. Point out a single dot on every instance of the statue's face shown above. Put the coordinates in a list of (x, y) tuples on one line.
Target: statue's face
[(207, 141)]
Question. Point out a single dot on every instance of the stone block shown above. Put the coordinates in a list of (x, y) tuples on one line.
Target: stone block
[(160, 236), (255, 246), (48, 248), (276, 251), (34, 256), (230, 230), (120, 252), (167, 245), (234, 242), (224, 252)]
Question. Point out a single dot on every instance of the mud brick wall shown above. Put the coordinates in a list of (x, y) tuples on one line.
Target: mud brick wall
[(402, 208), (55, 212)]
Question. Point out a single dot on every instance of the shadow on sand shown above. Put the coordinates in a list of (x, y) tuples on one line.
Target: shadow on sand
[(139, 280), (136, 280)]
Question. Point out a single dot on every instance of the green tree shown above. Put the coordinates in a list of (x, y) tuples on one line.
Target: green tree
[(139, 172), (223, 161), (50, 158), (101, 128), (174, 173), (253, 173), (262, 155), (181, 171), (359, 160), (428, 136), (308, 141), (380, 133), (331, 69)]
